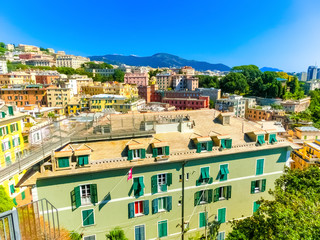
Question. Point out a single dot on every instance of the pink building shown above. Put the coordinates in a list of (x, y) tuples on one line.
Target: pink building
[(141, 79)]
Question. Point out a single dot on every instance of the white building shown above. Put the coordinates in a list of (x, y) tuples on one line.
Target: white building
[(71, 61), (3, 67), (76, 81), (10, 47)]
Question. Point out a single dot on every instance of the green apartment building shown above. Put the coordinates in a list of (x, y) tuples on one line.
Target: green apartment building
[(205, 167)]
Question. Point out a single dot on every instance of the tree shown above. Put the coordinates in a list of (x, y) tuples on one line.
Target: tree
[(234, 83), (118, 75), (293, 214), (116, 234), (208, 81), (6, 203)]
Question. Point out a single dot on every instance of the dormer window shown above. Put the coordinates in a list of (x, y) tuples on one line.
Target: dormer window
[(203, 144), (160, 149), (226, 143), (272, 138), (136, 150), (260, 139)]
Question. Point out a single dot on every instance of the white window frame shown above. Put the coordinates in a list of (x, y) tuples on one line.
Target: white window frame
[(258, 189), (224, 236), (5, 143), (34, 138), (136, 153), (204, 196), (85, 199), (95, 236), (224, 192), (140, 213), (4, 131), (94, 218), (145, 230), (13, 127), (15, 139), (161, 180), (164, 203)]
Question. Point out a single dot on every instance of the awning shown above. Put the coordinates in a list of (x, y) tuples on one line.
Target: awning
[(202, 139), (136, 146)]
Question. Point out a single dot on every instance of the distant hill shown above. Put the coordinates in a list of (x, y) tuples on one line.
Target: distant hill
[(159, 60), (270, 69)]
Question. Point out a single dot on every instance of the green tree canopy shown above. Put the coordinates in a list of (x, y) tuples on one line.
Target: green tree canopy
[(116, 234), (6, 202), (293, 214), (208, 81), (97, 65), (234, 83)]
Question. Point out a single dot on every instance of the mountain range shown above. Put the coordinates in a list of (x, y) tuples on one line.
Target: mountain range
[(159, 60)]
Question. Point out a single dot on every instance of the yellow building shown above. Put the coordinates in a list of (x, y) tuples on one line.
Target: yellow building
[(12, 148), (58, 97), (77, 105), (308, 155), (103, 102), (115, 88)]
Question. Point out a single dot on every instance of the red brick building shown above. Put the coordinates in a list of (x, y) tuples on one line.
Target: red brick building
[(187, 103), (149, 93), (46, 79)]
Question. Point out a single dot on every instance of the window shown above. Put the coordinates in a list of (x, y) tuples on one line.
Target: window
[(162, 204), (202, 219), (63, 162), (138, 208), (259, 166), (83, 160), (222, 215), (160, 182), (160, 151), (222, 193), (162, 229), (204, 177), (92, 237), (12, 189), (223, 173), (255, 206), (260, 140), (4, 131), (272, 138), (6, 145), (23, 195), (16, 141), (36, 137), (136, 154), (258, 186), (221, 236), (8, 159), (226, 143), (139, 232), (87, 217), (138, 186), (85, 194), (203, 197)]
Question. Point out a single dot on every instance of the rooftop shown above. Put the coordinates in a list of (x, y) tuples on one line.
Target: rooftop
[(307, 129), (109, 96)]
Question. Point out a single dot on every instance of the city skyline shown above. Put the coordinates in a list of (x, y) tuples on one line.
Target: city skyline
[(269, 34)]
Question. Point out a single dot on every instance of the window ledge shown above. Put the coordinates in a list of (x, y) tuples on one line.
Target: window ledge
[(203, 202), (92, 225), (61, 169), (222, 198), (162, 158), (138, 215)]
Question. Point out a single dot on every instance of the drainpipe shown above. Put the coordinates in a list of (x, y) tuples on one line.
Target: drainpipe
[(182, 203)]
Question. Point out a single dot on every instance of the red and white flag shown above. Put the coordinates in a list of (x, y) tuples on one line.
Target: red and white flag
[(130, 174)]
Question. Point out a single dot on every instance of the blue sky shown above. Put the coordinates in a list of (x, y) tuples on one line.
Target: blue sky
[(276, 33)]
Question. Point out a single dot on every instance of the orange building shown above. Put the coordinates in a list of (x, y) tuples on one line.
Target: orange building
[(255, 114), (32, 94), (46, 79)]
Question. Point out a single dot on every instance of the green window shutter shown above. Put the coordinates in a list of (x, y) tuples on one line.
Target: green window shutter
[(135, 184), (273, 139), (228, 143), (261, 139), (164, 187), (23, 195), (131, 210), (130, 155), (169, 203), (94, 193), (17, 126), (154, 206), (228, 192), (19, 140), (2, 146), (253, 185), (143, 153), (216, 195), (15, 201), (154, 184), (169, 179), (260, 163), (210, 145), (263, 187), (11, 128), (154, 152), (10, 109), (80, 161), (198, 147), (146, 207), (0, 132), (206, 170), (12, 189), (196, 198), (224, 172), (85, 160), (9, 143), (13, 145), (167, 150), (7, 129), (87, 217), (162, 229), (3, 114), (202, 219), (141, 182), (77, 196), (209, 195), (255, 206), (222, 215), (223, 143)]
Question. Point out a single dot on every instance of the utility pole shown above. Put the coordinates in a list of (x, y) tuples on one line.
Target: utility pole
[(182, 203)]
